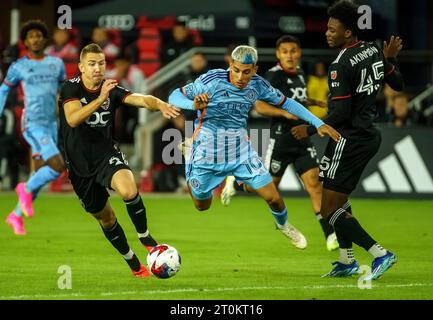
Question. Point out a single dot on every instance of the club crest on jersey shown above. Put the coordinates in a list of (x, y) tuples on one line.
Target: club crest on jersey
[(106, 104), (194, 183), (333, 75), (250, 96)]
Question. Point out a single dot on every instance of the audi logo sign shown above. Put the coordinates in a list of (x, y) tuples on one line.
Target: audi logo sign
[(124, 22), (292, 24)]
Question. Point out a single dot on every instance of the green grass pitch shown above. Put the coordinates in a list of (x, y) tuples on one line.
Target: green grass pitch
[(227, 253)]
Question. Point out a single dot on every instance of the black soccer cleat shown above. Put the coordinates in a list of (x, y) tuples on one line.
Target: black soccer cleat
[(148, 242)]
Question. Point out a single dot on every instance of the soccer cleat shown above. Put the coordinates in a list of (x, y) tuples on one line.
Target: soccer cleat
[(381, 264), (185, 147), (228, 191), (142, 273), (148, 242), (343, 270), (332, 242), (25, 199), (297, 238), (16, 223)]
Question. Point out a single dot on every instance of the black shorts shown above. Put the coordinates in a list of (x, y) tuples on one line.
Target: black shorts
[(284, 150), (343, 163), (92, 191)]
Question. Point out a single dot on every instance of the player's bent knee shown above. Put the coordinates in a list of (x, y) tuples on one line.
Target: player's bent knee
[(129, 194), (108, 221), (274, 200), (313, 187)]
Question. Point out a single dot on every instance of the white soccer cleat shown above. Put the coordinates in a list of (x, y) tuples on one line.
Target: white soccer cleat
[(332, 242), (228, 191), (185, 147), (297, 238)]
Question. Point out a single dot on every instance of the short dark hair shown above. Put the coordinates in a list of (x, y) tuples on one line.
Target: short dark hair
[(346, 12), (90, 48), (33, 24), (287, 39)]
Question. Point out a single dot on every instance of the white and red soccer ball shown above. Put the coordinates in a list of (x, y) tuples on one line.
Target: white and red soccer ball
[(163, 261)]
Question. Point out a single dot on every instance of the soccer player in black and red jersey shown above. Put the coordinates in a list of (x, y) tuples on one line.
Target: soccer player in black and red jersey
[(355, 77), (87, 106)]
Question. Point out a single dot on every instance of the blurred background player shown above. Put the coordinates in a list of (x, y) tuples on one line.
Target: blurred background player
[(87, 106), (355, 78), (40, 75), (64, 48), (101, 37), (317, 89), (180, 41), (225, 98), (284, 149)]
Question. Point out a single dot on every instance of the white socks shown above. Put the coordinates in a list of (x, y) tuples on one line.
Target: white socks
[(377, 251), (346, 256)]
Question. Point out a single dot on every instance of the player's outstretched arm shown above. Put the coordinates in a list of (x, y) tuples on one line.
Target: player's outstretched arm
[(303, 131), (298, 110), (268, 110), (327, 130), (178, 99), (153, 104)]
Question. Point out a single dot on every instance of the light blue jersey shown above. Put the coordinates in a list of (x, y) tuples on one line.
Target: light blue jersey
[(40, 80), (221, 146)]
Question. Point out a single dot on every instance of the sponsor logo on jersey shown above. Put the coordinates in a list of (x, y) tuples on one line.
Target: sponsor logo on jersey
[(98, 119)]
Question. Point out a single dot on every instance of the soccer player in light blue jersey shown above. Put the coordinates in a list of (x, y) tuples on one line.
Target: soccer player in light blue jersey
[(221, 146), (40, 76)]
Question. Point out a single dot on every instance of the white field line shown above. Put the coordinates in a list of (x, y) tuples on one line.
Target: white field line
[(153, 292)]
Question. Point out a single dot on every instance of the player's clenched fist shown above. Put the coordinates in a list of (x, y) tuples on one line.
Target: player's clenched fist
[(201, 101), (107, 86)]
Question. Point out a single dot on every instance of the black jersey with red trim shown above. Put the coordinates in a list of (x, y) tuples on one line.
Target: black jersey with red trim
[(88, 144), (356, 76), (292, 85)]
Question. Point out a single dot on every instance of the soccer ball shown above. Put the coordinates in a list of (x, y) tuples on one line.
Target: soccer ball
[(163, 261)]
